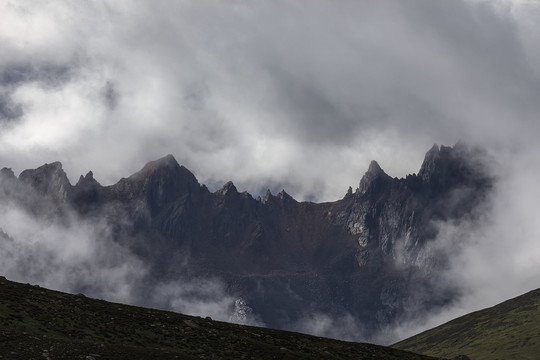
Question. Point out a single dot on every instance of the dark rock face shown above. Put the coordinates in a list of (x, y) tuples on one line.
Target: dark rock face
[(365, 255), (49, 179)]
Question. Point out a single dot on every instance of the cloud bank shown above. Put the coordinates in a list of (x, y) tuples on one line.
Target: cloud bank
[(264, 94)]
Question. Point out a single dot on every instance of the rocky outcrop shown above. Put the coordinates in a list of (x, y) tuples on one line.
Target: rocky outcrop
[(374, 179), (365, 255), (49, 180)]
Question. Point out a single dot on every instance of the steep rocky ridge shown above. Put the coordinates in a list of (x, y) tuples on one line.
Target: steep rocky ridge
[(367, 254)]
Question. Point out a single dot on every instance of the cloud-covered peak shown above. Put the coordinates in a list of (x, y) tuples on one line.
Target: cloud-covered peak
[(7, 173), (167, 161)]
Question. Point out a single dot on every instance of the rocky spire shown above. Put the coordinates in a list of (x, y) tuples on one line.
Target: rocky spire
[(87, 181), (227, 189), (284, 196), (373, 175), (430, 163)]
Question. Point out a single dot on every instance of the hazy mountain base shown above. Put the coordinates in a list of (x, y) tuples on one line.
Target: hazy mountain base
[(36, 323), (510, 330)]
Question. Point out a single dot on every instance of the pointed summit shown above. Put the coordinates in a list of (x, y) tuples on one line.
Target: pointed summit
[(167, 161), (374, 174), (430, 162), (165, 167), (282, 195), (161, 182), (227, 189), (374, 168), (267, 196), (87, 181)]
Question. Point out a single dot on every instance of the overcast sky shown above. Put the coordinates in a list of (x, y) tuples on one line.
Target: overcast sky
[(286, 94), (264, 93)]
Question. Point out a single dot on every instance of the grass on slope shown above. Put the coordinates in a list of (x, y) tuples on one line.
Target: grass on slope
[(510, 330), (36, 323)]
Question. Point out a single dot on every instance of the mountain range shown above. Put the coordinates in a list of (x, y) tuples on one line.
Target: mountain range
[(373, 255)]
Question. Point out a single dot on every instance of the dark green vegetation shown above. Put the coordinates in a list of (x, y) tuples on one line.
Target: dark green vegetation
[(36, 323), (510, 330)]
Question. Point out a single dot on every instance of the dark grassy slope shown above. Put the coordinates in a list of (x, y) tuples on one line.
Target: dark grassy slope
[(510, 330), (36, 323)]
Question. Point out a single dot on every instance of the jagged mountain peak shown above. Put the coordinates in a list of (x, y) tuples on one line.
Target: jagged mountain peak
[(47, 169), (164, 168), (166, 162), (227, 189), (49, 179), (445, 167), (438, 158), (284, 196), (160, 182), (281, 196), (267, 196), (374, 168), (87, 180), (430, 162), (374, 175)]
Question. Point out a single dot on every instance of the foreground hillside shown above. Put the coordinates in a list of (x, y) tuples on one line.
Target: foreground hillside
[(510, 330), (36, 323)]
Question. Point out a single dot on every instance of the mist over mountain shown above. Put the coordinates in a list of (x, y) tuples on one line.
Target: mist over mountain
[(353, 268)]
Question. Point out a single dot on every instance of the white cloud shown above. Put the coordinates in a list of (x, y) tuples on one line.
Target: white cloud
[(70, 255), (207, 81)]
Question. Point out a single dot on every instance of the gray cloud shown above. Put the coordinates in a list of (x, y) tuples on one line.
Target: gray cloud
[(77, 255), (264, 93), (344, 327), (47, 74), (274, 94), (13, 75), (70, 255), (8, 110)]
